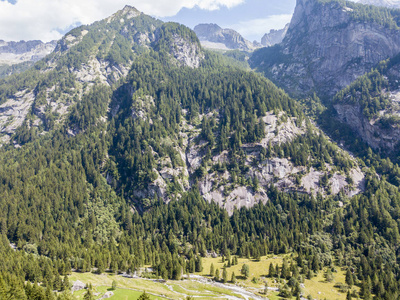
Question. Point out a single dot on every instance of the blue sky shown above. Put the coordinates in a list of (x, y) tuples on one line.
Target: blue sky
[(49, 19)]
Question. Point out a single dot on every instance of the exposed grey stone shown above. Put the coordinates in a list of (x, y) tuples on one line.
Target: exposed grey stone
[(213, 36), (186, 52), (17, 52), (369, 130), (325, 49), (107, 295), (274, 36), (77, 286)]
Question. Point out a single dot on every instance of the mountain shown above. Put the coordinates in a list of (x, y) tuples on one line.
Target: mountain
[(156, 77), (274, 37), (370, 105), (328, 45), (111, 52), (19, 56), (131, 146), (214, 37), (17, 52), (385, 3), (102, 52)]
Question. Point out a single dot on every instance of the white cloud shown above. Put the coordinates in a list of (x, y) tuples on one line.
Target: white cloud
[(42, 19), (167, 8), (255, 29)]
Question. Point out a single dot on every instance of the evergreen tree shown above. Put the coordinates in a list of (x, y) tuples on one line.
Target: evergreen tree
[(144, 296), (114, 285), (88, 294), (233, 278), (224, 275), (271, 270), (216, 277), (245, 271), (349, 278)]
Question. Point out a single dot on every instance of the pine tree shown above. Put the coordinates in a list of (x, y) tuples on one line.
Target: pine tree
[(3, 288), (65, 284), (216, 277), (271, 270), (199, 264), (348, 297), (114, 285), (212, 271), (349, 278), (329, 275), (233, 278), (224, 275), (144, 296), (285, 272), (245, 271), (88, 295)]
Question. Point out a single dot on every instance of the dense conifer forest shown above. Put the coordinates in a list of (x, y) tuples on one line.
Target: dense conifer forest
[(59, 213)]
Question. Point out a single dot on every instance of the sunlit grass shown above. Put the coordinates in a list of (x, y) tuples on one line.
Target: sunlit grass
[(129, 288)]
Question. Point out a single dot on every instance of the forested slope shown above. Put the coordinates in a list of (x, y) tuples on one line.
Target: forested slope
[(156, 164)]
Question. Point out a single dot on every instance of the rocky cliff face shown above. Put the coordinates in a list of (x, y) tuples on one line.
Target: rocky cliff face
[(370, 131), (101, 53), (371, 109), (17, 52), (218, 185), (274, 37), (328, 45), (213, 36)]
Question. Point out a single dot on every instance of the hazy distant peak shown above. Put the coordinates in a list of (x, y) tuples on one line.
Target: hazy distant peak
[(204, 30), (128, 12), (213, 36), (274, 36), (385, 3)]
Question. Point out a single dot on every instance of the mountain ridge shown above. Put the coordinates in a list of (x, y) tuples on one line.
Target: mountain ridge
[(274, 36), (132, 146), (326, 51), (213, 36), (105, 52), (370, 106), (385, 3)]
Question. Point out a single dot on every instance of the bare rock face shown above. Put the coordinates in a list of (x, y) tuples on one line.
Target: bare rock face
[(370, 131), (230, 192), (326, 48), (18, 52), (378, 126), (213, 36), (274, 37), (13, 113), (239, 197), (186, 53)]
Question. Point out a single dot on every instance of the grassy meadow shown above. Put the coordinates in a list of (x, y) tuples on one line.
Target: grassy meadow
[(132, 288)]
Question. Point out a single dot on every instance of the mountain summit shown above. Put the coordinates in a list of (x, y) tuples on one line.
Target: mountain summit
[(131, 146), (188, 118), (274, 36), (213, 36), (328, 45)]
